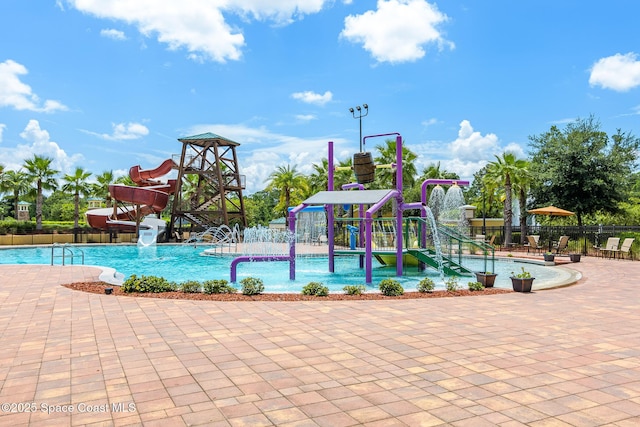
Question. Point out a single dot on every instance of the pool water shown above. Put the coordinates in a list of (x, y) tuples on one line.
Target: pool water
[(180, 263)]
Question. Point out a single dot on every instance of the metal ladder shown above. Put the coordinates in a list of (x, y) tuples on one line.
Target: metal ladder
[(66, 252)]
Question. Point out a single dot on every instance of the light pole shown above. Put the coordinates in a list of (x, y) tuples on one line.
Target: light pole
[(359, 117)]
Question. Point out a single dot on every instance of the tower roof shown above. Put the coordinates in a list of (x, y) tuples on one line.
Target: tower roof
[(208, 138)]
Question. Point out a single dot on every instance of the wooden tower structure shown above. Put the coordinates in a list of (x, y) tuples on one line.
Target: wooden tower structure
[(209, 185)]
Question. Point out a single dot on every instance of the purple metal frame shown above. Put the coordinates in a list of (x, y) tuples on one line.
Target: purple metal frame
[(366, 237)]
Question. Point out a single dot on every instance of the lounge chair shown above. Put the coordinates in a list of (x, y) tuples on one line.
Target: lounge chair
[(625, 248), (533, 243), (611, 247), (562, 244)]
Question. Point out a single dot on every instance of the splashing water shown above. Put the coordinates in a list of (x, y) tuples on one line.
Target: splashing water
[(263, 241), (436, 201), (453, 200)]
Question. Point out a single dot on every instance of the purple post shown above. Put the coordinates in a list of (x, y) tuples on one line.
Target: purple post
[(399, 234), (330, 219), (368, 251)]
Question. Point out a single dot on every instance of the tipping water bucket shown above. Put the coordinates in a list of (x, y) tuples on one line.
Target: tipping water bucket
[(363, 167)]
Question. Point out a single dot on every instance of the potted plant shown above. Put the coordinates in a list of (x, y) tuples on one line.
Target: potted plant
[(487, 278), (574, 257), (522, 282), (549, 257)]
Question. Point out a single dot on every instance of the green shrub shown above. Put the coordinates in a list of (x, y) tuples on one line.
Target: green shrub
[(390, 287), (218, 287), (315, 288), (452, 284), (426, 285), (252, 286), (476, 286), (190, 287), (354, 289), (151, 284)]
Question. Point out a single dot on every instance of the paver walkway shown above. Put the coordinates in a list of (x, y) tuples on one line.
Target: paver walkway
[(562, 357)]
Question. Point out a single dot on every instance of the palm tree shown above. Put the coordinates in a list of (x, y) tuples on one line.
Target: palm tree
[(319, 178), (39, 171), (387, 155), (18, 182), (77, 183), (101, 188), (291, 184), (503, 172), (433, 171), (521, 185)]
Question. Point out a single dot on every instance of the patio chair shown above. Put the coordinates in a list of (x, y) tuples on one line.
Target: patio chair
[(611, 246), (491, 240), (625, 248), (562, 244), (533, 243)]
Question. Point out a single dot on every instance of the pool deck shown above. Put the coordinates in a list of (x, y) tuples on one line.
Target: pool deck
[(560, 357)]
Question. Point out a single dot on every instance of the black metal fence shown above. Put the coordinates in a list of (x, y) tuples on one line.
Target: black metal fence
[(582, 240)]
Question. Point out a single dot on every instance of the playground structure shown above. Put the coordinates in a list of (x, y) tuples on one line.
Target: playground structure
[(407, 237), (207, 192)]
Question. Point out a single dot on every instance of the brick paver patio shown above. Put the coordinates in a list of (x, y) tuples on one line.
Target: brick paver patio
[(561, 357)]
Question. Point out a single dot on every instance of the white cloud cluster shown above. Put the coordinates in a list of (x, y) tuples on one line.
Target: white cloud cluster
[(618, 72), (2, 128), (123, 132), (311, 97), (18, 95), (398, 30), (113, 34), (199, 26), (38, 141)]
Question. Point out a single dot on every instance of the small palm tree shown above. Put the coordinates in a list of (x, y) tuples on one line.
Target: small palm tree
[(291, 184), (101, 187), (40, 172), (503, 172), (18, 183), (77, 184)]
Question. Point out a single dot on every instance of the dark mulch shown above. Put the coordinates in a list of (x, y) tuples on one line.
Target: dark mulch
[(99, 288)]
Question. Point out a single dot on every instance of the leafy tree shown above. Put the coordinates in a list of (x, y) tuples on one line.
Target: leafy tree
[(18, 183), (40, 172), (432, 171), (77, 184), (291, 185), (260, 207), (581, 168), (503, 172)]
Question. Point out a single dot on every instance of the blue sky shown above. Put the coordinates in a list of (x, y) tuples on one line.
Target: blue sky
[(108, 84)]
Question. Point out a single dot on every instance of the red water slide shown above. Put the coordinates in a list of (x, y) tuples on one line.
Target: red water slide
[(151, 196)]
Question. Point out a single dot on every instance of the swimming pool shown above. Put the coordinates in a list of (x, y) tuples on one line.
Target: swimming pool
[(179, 263)]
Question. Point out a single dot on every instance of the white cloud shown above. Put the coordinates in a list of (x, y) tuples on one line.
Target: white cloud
[(39, 142), (398, 30), (305, 117), (18, 95), (429, 122), (618, 72), (472, 145), (113, 34), (198, 26), (2, 128), (310, 97), (123, 132)]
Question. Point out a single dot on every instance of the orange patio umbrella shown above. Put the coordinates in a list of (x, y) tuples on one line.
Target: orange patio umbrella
[(550, 211)]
